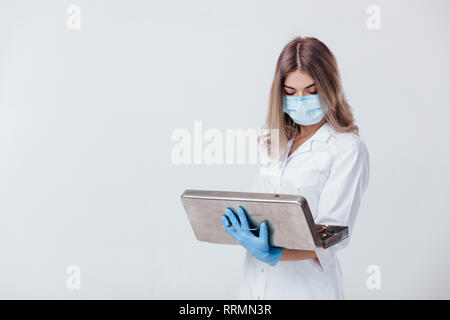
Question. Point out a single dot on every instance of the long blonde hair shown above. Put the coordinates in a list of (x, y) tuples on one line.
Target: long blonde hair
[(307, 54)]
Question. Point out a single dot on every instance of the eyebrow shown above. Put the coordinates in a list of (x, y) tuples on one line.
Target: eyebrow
[(311, 85)]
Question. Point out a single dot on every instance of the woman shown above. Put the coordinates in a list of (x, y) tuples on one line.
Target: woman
[(322, 158)]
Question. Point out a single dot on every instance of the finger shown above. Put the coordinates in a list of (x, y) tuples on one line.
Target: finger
[(232, 217), (243, 217), (225, 221), (227, 226), (263, 234)]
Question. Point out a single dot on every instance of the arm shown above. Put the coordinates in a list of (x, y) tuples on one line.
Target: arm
[(341, 196), (340, 199)]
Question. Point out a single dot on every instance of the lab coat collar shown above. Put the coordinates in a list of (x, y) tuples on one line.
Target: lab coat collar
[(322, 134)]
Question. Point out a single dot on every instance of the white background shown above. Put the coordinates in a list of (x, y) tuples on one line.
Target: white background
[(86, 118)]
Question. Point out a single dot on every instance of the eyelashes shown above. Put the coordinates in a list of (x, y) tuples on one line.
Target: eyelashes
[(290, 94)]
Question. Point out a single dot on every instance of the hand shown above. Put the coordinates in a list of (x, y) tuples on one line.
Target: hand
[(237, 226)]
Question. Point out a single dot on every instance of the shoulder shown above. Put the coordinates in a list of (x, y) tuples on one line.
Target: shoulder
[(345, 143)]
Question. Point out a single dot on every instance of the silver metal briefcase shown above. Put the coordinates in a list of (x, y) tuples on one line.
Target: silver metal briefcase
[(290, 222)]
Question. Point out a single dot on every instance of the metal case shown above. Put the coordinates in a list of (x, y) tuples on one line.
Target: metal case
[(291, 224)]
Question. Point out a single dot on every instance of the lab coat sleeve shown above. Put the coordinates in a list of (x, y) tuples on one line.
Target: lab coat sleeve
[(340, 198)]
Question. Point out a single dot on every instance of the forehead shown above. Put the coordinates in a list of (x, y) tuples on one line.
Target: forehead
[(298, 79)]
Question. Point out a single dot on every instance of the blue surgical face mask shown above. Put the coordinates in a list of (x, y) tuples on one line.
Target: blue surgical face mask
[(304, 110)]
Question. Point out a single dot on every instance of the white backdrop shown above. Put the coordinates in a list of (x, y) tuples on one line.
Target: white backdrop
[(86, 118)]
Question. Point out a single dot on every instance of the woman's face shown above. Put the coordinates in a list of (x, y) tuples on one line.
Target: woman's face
[(298, 84)]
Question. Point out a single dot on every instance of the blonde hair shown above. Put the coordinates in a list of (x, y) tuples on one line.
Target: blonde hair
[(307, 54)]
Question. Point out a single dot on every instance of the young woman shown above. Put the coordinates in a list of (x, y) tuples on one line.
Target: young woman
[(322, 158)]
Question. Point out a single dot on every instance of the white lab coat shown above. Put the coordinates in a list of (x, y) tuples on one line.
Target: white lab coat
[(331, 170)]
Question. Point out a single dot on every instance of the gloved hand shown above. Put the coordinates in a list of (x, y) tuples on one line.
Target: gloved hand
[(237, 226)]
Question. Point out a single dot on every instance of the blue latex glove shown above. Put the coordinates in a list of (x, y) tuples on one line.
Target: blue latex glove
[(237, 226)]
